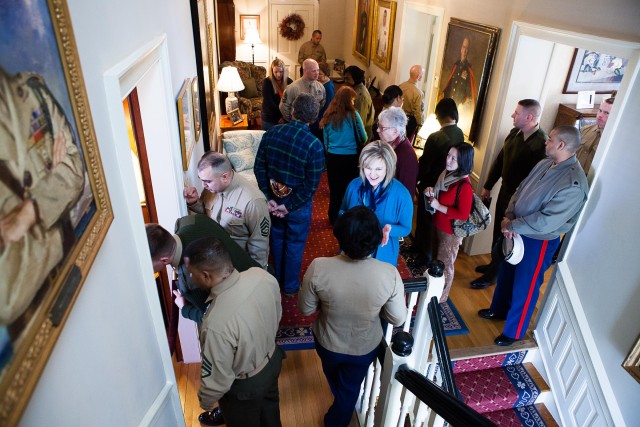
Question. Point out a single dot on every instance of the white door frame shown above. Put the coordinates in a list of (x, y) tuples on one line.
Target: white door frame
[(148, 66), (431, 75), (595, 391)]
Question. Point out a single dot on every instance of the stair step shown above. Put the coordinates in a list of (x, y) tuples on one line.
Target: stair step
[(489, 361), (531, 416), (501, 388), (488, 350)]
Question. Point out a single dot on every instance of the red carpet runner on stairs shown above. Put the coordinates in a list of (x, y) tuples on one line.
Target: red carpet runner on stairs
[(500, 388), (295, 332)]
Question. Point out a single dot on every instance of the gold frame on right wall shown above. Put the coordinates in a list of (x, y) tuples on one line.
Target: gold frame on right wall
[(382, 33), (632, 362)]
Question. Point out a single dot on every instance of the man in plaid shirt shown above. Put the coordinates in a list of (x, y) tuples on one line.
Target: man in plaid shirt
[(291, 159)]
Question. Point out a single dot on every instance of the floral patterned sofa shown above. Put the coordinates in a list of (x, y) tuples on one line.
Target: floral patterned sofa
[(250, 99)]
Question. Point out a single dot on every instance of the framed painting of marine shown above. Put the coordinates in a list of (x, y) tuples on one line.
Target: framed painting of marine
[(382, 33), (54, 203), (362, 30), (469, 52)]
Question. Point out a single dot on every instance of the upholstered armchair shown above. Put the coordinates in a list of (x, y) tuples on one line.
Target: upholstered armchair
[(250, 99)]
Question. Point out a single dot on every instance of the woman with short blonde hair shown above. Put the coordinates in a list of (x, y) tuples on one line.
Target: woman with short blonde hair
[(377, 189)]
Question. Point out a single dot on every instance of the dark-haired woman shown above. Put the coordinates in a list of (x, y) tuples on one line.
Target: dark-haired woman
[(451, 198), (272, 89), (354, 77), (342, 128), (351, 291), (430, 165)]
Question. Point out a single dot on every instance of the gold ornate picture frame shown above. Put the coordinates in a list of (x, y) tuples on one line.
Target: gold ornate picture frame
[(195, 100), (469, 52), (632, 363), (382, 33), (185, 123), (53, 164), (362, 30)]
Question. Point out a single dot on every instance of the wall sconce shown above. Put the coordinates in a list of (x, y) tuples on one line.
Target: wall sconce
[(252, 37), (230, 82)]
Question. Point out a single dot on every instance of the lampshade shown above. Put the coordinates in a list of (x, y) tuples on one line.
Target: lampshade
[(229, 80), (430, 125), (251, 36)]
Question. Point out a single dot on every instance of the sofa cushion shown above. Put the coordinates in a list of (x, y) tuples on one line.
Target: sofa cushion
[(242, 160), (250, 89), (238, 143)]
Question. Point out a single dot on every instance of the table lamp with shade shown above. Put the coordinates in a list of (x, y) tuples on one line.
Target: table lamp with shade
[(230, 82), (252, 37)]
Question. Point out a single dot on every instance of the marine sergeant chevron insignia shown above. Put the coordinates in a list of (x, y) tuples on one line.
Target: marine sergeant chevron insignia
[(205, 370), (264, 226)]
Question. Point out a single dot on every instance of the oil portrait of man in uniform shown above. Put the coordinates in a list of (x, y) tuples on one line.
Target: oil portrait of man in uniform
[(49, 202), (362, 30), (466, 68)]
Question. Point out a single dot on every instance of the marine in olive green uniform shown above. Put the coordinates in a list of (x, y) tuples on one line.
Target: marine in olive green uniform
[(41, 179), (240, 360)]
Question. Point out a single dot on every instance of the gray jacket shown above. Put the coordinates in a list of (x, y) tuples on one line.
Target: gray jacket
[(548, 201)]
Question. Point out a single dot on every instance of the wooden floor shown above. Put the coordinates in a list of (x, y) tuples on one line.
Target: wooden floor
[(304, 393)]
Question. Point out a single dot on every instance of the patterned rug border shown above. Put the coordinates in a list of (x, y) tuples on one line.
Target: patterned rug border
[(451, 320)]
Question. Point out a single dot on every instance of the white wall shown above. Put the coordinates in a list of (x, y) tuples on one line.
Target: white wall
[(603, 254), (111, 365)]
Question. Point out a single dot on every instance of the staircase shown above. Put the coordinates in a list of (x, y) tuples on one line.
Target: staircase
[(504, 387)]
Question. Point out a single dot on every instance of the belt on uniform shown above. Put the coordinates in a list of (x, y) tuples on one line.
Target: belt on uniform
[(260, 366)]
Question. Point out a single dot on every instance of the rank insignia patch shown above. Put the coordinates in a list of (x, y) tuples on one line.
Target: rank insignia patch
[(264, 226), (205, 371)]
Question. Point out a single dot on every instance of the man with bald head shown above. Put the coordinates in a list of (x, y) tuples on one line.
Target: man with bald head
[(546, 205), (413, 103), (307, 84), (522, 149)]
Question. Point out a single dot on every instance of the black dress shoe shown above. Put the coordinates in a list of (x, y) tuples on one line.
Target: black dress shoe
[(483, 268), (486, 313), (504, 340), (212, 418), (482, 282)]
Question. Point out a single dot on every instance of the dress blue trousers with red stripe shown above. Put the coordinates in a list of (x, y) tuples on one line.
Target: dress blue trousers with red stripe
[(518, 285)]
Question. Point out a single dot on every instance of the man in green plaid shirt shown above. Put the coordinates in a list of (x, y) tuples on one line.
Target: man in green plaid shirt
[(290, 158)]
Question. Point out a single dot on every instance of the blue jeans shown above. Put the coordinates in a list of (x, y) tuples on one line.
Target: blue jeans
[(288, 238), (345, 374)]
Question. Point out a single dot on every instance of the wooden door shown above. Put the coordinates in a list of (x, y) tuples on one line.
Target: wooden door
[(287, 50), (140, 161)]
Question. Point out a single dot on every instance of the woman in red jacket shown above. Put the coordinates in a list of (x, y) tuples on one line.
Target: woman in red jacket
[(451, 198)]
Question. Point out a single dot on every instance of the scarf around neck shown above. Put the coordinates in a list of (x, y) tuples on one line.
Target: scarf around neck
[(445, 179), (370, 197)]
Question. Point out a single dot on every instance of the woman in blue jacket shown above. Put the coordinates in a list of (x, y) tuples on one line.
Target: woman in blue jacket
[(377, 189), (343, 130)]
